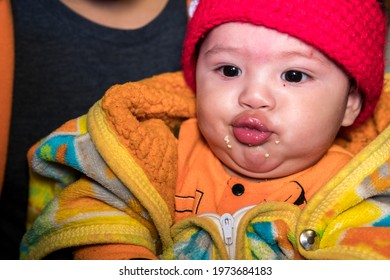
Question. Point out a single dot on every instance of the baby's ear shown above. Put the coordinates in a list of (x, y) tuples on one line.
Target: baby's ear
[(354, 105)]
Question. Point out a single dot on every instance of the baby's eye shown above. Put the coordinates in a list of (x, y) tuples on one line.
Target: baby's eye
[(294, 76), (230, 71)]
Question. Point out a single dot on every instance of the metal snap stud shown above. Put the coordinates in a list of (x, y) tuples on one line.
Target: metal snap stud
[(309, 240)]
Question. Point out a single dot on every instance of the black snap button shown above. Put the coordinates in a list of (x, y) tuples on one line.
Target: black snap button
[(238, 189)]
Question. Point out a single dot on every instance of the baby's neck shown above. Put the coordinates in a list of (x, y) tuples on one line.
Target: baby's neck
[(118, 14), (238, 175)]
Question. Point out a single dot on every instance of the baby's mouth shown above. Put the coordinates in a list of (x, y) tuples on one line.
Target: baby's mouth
[(250, 131)]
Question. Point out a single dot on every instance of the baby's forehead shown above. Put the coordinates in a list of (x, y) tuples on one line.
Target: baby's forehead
[(238, 37)]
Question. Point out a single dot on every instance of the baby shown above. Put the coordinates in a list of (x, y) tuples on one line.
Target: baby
[(273, 91), (254, 173)]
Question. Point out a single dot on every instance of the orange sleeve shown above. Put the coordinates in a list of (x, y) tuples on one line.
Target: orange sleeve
[(113, 252), (6, 79)]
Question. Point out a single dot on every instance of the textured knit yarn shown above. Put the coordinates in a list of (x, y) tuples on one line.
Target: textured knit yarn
[(352, 33)]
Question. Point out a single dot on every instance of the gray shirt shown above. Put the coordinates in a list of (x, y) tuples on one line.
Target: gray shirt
[(64, 64)]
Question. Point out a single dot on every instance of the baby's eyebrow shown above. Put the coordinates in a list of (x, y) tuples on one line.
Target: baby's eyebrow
[(220, 49), (308, 53), (305, 52)]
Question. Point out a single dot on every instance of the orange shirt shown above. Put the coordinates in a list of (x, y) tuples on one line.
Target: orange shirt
[(6, 79), (204, 186)]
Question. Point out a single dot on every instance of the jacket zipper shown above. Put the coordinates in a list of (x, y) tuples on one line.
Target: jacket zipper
[(227, 225), (228, 233)]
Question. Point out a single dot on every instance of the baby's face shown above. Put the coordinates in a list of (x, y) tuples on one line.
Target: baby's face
[(268, 104)]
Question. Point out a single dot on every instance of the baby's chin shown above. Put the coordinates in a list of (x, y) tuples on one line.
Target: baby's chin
[(266, 171), (259, 174)]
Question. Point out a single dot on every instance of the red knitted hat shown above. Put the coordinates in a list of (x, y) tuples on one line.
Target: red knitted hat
[(352, 33)]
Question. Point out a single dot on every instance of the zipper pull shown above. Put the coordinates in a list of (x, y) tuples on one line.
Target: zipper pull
[(227, 223)]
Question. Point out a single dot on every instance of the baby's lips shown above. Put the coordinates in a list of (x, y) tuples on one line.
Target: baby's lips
[(250, 130)]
